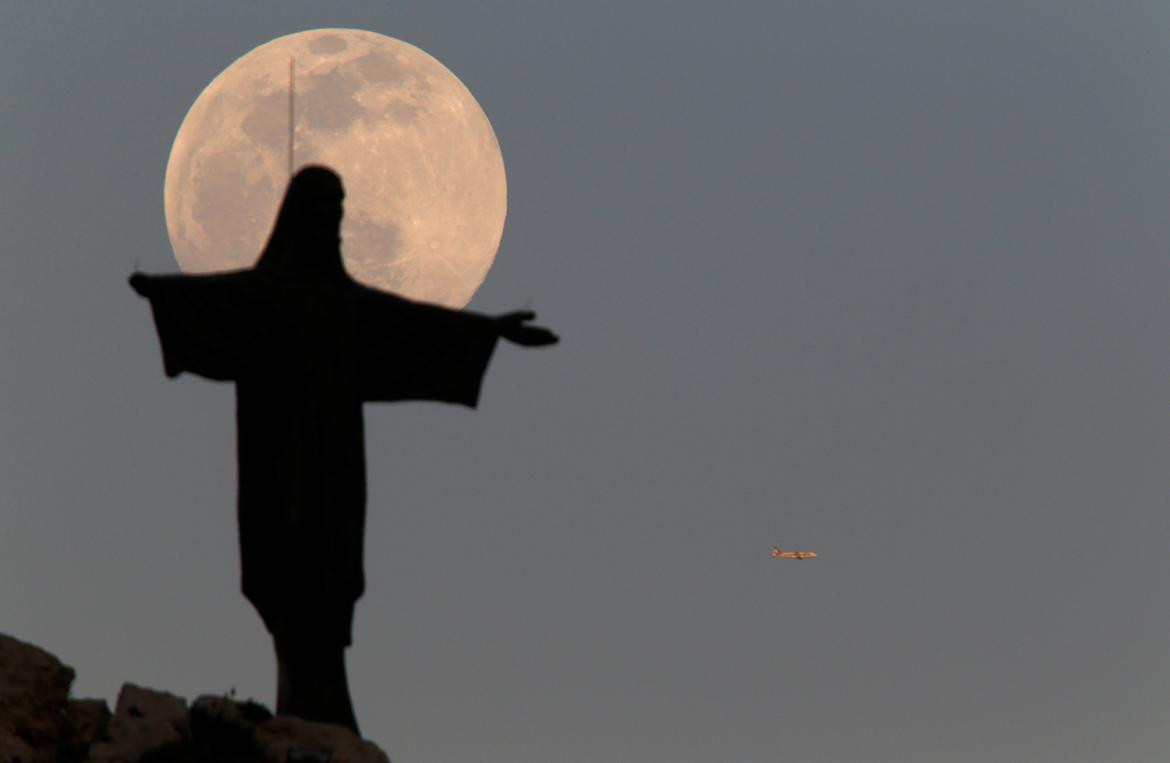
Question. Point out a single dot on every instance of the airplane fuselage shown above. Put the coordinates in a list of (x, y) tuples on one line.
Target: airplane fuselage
[(776, 552)]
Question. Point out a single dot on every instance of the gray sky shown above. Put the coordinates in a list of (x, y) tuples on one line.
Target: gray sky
[(887, 281)]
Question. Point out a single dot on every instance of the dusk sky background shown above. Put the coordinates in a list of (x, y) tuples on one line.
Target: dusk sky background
[(885, 281)]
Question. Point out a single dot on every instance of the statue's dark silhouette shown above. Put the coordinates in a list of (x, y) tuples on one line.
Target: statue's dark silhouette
[(306, 345)]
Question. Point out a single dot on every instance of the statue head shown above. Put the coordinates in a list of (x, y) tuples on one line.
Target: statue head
[(306, 239)]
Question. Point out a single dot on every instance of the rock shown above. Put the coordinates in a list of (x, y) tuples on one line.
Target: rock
[(137, 702), (227, 711), (40, 724), (87, 722), (285, 738), (34, 693), (226, 727), (145, 720), (13, 749), (247, 729), (88, 718)]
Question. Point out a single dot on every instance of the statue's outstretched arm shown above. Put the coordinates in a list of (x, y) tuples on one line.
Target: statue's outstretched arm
[(512, 327)]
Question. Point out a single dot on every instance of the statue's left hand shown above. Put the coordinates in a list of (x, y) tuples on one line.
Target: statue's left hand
[(512, 327)]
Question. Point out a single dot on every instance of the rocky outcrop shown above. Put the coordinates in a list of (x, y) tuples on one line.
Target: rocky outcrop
[(144, 721), (39, 723)]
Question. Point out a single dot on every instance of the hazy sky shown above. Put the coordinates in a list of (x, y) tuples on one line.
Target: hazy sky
[(887, 281)]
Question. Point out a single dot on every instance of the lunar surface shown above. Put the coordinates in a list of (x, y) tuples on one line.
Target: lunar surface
[(426, 194)]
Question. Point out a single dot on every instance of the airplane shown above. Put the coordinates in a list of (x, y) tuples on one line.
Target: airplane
[(793, 554)]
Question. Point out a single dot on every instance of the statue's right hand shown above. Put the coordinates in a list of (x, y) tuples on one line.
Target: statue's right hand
[(138, 283)]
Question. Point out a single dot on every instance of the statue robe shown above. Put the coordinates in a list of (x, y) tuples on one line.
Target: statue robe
[(304, 355)]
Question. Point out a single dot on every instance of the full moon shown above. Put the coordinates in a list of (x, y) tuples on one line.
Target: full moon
[(425, 189)]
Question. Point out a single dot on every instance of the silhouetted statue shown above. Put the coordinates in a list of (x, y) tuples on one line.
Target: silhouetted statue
[(306, 345)]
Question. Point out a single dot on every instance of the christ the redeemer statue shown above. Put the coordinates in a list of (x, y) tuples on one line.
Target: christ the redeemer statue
[(306, 345)]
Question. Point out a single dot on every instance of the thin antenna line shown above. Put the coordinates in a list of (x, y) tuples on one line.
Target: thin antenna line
[(292, 85)]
